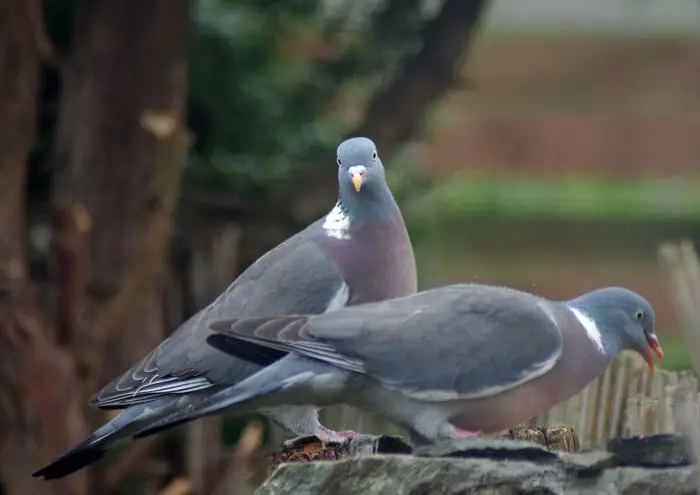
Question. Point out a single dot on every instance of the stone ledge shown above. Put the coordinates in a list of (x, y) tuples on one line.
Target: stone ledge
[(658, 464), (553, 438)]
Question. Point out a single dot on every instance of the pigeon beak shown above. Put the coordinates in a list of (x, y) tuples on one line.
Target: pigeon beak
[(357, 175), (357, 182), (653, 343)]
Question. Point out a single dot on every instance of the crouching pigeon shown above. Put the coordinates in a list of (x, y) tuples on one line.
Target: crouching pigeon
[(360, 252), (446, 363)]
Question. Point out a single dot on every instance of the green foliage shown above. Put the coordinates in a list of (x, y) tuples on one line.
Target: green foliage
[(676, 355), (570, 198), (262, 98), (270, 81), (238, 83)]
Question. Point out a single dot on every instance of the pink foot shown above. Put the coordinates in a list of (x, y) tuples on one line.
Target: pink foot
[(349, 434), (460, 433), (326, 435)]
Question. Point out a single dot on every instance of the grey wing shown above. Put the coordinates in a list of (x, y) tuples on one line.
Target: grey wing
[(296, 276), (464, 341)]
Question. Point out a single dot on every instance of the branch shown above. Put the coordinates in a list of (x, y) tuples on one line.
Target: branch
[(396, 111)]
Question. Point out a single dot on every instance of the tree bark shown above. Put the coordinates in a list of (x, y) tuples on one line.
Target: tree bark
[(119, 151), (39, 413)]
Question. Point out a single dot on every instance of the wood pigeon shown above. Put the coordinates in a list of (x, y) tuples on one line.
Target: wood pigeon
[(359, 252), (445, 363)]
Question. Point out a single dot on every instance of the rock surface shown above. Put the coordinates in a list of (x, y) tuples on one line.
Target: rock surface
[(553, 438), (360, 446), (658, 464)]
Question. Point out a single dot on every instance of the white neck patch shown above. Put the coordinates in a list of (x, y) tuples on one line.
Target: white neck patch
[(589, 325), (337, 223)]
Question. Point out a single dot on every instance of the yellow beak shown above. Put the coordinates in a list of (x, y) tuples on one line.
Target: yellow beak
[(357, 180)]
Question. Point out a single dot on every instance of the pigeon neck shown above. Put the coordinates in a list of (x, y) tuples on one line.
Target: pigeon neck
[(352, 208), (374, 200), (338, 222), (604, 338)]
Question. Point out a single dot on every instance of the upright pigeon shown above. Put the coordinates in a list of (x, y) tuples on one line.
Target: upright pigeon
[(360, 252), (446, 363)]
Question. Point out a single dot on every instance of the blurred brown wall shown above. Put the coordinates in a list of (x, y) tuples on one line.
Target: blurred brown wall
[(615, 107)]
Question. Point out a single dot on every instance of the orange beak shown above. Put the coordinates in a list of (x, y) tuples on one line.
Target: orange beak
[(357, 180), (654, 346)]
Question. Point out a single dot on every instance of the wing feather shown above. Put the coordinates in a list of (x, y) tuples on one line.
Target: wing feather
[(463, 341), (296, 276)]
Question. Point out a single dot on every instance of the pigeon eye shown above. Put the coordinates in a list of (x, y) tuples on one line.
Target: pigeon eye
[(337, 160), (639, 315), (374, 155)]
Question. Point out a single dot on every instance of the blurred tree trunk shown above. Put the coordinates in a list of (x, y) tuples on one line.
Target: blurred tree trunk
[(119, 151), (120, 147), (39, 412)]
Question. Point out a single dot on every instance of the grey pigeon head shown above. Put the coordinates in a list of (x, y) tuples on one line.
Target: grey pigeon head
[(624, 317), (361, 179)]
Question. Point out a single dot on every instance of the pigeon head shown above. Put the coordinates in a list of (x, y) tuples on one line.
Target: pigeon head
[(623, 316), (361, 178)]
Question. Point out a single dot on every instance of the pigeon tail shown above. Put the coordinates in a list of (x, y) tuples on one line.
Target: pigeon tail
[(119, 430), (80, 456), (89, 450)]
